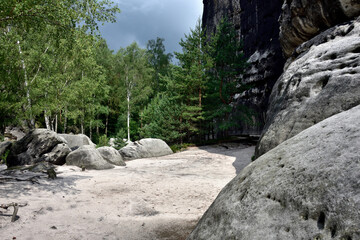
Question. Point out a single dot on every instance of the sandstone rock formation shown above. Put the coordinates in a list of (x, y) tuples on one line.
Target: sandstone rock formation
[(257, 26), (88, 157), (14, 133), (305, 188), (111, 155), (145, 148), (75, 141), (31, 148), (322, 81), (302, 20), (57, 155)]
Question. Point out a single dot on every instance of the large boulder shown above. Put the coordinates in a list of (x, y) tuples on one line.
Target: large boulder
[(14, 133), (88, 157), (57, 155), (75, 141), (145, 148), (31, 148), (321, 82), (305, 188), (301, 20), (111, 155)]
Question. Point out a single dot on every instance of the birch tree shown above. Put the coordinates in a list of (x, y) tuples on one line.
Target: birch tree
[(134, 75)]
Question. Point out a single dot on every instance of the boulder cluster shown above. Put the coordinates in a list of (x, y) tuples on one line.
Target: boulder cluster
[(41, 146)]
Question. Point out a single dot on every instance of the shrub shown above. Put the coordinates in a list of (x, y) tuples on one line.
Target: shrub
[(103, 141)]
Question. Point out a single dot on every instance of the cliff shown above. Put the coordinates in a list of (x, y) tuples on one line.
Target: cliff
[(256, 23)]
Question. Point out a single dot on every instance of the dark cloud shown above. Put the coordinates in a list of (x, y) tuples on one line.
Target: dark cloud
[(142, 20)]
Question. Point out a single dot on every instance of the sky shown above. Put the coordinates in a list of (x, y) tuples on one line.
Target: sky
[(142, 20)]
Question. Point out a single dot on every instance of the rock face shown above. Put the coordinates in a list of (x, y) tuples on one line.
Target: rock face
[(14, 133), (305, 188), (145, 148), (75, 141), (31, 148), (322, 81), (257, 25), (302, 20), (57, 155), (111, 155), (87, 156)]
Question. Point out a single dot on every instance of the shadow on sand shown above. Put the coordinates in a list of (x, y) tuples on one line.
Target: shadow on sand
[(66, 185), (242, 152)]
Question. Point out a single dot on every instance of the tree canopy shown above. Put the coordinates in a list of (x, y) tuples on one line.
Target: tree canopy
[(57, 72)]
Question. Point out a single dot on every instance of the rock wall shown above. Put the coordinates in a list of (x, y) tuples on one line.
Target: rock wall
[(322, 81), (302, 20), (257, 26)]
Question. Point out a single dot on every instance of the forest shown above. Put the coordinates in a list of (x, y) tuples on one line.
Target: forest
[(57, 72)]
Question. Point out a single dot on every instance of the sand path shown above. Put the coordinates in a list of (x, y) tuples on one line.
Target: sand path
[(154, 198)]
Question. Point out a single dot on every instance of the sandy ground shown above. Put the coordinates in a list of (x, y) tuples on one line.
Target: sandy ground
[(154, 198)]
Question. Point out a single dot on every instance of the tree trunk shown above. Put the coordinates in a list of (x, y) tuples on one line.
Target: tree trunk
[(65, 121), (90, 129), (97, 127), (82, 125), (56, 123), (27, 89), (106, 124), (128, 114), (47, 121)]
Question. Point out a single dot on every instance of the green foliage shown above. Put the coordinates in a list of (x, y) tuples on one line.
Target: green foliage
[(119, 139), (55, 72), (103, 141), (47, 60), (162, 119), (180, 147), (133, 81), (160, 61), (188, 81), (225, 78), (4, 157)]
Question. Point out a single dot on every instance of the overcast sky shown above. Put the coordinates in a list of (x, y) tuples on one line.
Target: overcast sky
[(142, 20)]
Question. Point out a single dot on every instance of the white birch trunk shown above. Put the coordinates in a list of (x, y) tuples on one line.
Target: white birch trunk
[(47, 121), (128, 114), (26, 83), (82, 125)]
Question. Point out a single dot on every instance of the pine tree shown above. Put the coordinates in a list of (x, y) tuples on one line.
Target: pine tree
[(159, 60), (229, 64), (191, 77)]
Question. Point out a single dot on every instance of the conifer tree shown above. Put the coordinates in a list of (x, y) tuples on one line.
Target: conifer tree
[(224, 83)]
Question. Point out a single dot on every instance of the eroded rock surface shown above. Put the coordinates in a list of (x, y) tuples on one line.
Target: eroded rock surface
[(88, 157), (111, 155), (306, 188), (75, 141), (302, 20), (57, 155), (31, 148), (256, 24), (145, 148), (321, 82)]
